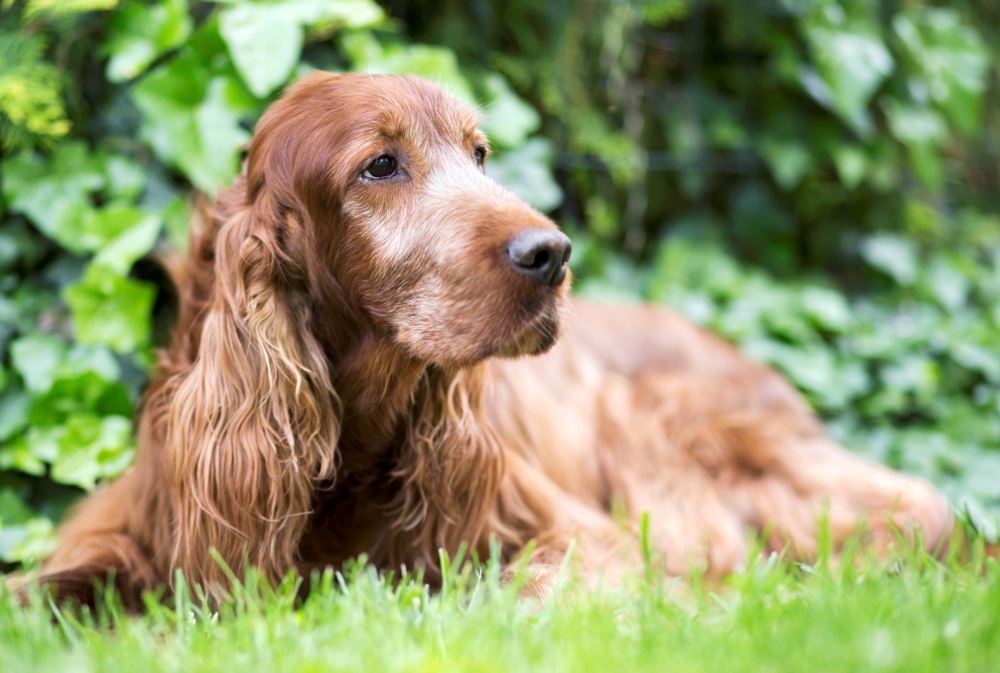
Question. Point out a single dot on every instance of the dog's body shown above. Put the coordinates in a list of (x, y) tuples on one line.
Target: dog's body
[(346, 378)]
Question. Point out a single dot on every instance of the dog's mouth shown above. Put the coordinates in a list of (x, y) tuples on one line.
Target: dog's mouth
[(536, 337)]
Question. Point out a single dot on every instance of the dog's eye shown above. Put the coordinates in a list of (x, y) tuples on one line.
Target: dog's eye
[(383, 167), (480, 155)]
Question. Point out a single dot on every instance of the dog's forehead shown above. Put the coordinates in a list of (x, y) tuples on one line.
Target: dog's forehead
[(399, 107)]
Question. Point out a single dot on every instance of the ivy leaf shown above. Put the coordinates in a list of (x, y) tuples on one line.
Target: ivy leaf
[(63, 8), (18, 456), (916, 374), (140, 33), (434, 63), (977, 358), (86, 392), (264, 41), (789, 161), (851, 163), (14, 405), (36, 358), (192, 120), (125, 178), (525, 171), (952, 59), (110, 309), (99, 228), (827, 309), (38, 542), (54, 194), (12, 510), (922, 131), (507, 120), (851, 60), (93, 448), (342, 13), (121, 253), (14, 515), (947, 284), (895, 256)]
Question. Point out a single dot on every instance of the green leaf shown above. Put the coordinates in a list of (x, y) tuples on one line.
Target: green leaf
[(789, 161), (54, 194), (38, 542), (192, 120), (923, 131), (507, 119), (177, 219), (337, 14), (434, 63), (19, 456), (140, 33), (915, 374), (827, 309), (125, 178), (525, 171), (14, 405), (63, 8), (264, 41), (110, 309), (912, 124), (36, 358), (101, 228), (14, 515), (86, 392), (947, 284), (851, 62), (977, 358), (895, 256), (121, 253), (951, 58), (83, 359), (93, 448), (851, 163), (12, 510)]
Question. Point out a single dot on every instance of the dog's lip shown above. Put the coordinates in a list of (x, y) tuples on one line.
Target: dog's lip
[(538, 333)]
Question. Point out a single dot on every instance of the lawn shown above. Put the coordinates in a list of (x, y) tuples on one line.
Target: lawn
[(908, 613)]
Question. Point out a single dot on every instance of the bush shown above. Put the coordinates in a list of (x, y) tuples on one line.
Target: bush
[(811, 178)]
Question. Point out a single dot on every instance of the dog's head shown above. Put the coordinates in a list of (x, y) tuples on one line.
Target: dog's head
[(383, 177)]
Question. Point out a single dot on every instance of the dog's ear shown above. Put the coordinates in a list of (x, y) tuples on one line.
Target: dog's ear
[(253, 426)]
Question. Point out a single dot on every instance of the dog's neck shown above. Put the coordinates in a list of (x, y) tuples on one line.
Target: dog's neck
[(415, 449), (376, 383)]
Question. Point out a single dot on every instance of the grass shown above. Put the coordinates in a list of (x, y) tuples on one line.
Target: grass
[(910, 613)]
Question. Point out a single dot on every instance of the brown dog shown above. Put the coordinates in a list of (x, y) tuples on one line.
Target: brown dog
[(342, 380)]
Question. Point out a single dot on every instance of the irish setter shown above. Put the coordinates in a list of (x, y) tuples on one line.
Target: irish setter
[(366, 362)]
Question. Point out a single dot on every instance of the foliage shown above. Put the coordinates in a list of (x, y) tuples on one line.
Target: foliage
[(182, 85), (811, 178), (914, 615)]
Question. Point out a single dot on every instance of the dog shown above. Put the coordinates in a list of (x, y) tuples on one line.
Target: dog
[(376, 353)]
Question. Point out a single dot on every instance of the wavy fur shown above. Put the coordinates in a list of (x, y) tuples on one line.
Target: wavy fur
[(346, 377)]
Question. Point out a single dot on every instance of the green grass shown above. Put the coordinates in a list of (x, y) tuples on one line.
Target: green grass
[(905, 614)]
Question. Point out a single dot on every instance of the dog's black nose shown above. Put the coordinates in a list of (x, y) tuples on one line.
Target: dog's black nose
[(540, 254)]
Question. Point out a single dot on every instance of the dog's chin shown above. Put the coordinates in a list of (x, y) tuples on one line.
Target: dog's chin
[(536, 338)]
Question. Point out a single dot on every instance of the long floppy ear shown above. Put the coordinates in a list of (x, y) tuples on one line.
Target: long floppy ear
[(254, 424)]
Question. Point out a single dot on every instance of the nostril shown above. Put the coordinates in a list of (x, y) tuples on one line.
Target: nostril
[(541, 259), (540, 254)]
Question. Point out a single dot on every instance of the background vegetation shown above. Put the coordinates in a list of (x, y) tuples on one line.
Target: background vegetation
[(815, 179)]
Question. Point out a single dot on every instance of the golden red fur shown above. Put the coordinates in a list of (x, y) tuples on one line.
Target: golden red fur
[(346, 377)]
